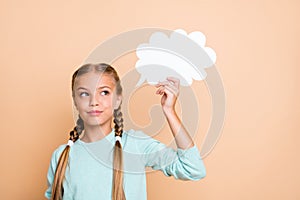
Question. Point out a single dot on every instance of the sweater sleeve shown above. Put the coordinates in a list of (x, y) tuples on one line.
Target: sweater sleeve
[(182, 164), (51, 170)]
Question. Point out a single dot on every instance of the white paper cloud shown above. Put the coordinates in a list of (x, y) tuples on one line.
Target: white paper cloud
[(181, 55)]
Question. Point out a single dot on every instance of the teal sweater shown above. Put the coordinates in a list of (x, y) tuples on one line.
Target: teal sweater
[(89, 172)]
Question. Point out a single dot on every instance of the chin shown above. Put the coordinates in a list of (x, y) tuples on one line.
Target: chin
[(96, 122)]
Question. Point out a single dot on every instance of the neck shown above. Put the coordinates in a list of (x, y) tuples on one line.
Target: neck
[(95, 133)]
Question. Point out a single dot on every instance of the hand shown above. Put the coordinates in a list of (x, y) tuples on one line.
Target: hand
[(169, 90)]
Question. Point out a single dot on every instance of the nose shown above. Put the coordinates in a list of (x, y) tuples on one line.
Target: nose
[(93, 100)]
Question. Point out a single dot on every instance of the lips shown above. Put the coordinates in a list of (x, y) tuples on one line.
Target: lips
[(95, 112)]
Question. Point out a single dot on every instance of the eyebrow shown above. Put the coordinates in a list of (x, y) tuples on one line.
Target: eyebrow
[(82, 88), (97, 88)]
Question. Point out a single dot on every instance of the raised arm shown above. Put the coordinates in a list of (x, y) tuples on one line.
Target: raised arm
[(169, 90)]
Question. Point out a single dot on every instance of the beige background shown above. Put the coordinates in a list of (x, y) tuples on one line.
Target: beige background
[(257, 46)]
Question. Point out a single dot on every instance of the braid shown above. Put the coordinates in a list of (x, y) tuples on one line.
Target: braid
[(118, 120), (118, 190), (76, 132), (57, 187)]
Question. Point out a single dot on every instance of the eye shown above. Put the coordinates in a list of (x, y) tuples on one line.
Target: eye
[(83, 94), (104, 93)]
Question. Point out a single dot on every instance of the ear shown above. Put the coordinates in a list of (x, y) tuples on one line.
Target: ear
[(118, 102)]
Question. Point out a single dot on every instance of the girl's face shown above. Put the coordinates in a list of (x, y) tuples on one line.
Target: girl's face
[(95, 98)]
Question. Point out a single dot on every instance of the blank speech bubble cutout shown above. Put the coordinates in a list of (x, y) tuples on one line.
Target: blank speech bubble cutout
[(181, 55)]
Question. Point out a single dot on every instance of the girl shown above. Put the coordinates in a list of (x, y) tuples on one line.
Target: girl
[(77, 173)]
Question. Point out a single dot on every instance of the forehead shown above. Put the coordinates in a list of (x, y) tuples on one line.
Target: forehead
[(92, 80)]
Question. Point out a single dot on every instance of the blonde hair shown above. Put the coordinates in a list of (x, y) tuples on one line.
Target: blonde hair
[(117, 187)]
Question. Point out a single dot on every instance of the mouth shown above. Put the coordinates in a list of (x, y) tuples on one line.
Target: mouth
[(94, 112)]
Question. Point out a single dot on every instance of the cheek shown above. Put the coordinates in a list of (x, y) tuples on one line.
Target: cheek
[(107, 102), (81, 103)]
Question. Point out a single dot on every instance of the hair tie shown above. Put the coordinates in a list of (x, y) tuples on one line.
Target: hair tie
[(70, 143), (118, 138)]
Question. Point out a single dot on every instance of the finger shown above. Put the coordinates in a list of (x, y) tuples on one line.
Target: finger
[(160, 90), (169, 86), (171, 81), (172, 86), (172, 89), (163, 83), (174, 80), (168, 90)]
